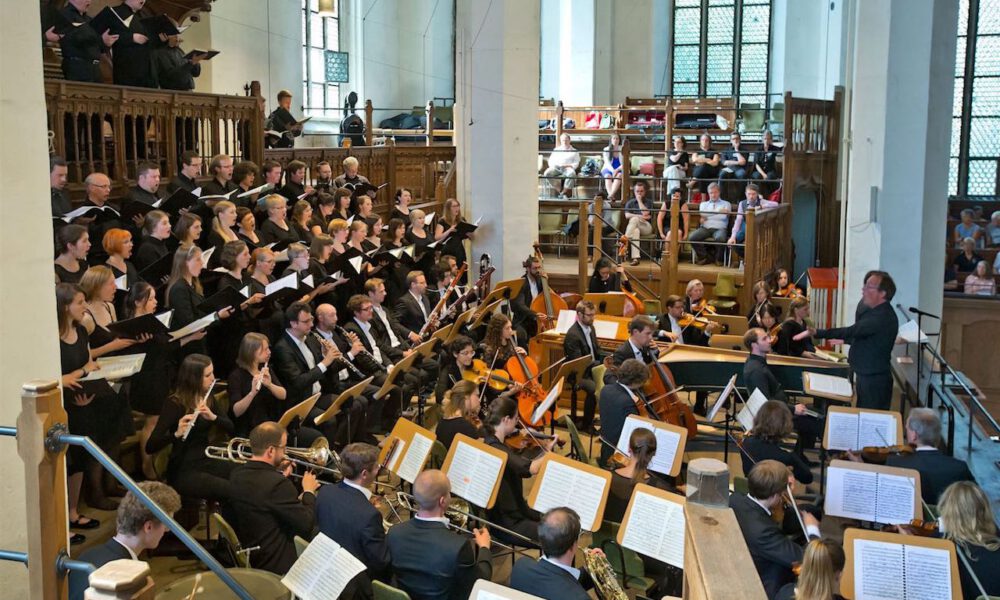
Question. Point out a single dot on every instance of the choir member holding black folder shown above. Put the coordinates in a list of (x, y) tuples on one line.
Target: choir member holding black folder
[(81, 40), (131, 55), (155, 233), (185, 295)]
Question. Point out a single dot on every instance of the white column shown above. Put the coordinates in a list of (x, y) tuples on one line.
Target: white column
[(29, 342), (901, 97), (496, 111)]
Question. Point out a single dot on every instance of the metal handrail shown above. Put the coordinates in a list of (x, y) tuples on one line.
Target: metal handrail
[(58, 438)]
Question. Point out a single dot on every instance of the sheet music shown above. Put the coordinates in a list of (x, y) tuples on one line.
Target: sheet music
[(830, 384), (289, 281), (666, 443), (308, 281), (473, 473), (428, 219), (655, 528), (606, 329), (876, 430), (166, 317), (414, 457), (485, 589), (563, 485), (116, 367), (565, 321), (909, 331), (878, 570), (895, 499), (546, 404), (356, 263), (323, 571), (206, 255), (728, 391), (194, 326), (869, 496), (928, 573), (842, 431), (121, 283), (256, 190), (750, 409)]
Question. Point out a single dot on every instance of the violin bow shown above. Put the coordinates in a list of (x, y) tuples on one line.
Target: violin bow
[(788, 487)]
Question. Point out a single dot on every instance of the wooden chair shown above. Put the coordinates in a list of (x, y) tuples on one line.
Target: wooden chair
[(550, 224), (725, 294), (652, 307), (384, 591), (300, 545)]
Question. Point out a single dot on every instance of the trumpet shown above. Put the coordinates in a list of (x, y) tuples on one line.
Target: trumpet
[(318, 457)]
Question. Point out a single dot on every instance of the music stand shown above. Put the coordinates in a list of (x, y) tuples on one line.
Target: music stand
[(609, 303), (351, 392), (300, 410), (442, 333), (486, 311), (456, 327), (728, 391), (396, 372), (574, 371)]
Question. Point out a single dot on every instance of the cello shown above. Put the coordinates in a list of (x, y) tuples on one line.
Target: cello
[(524, 370), (547, 302), (669, 408)]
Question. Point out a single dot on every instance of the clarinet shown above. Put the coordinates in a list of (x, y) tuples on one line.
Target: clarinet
[(346, 335), (350, 366)]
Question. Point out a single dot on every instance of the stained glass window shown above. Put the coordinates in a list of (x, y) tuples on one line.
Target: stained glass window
[(721, 48), (323, 66)]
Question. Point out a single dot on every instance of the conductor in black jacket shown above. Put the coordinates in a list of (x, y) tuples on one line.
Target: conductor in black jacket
[(553, 576), (582, 341), (937, 470), (430, 561), (345, 514), (871, 338), (137, 530), (771, 550), (267, 508), (618, 401), (414, 307)]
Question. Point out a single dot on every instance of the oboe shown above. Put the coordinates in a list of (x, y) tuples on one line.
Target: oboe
[(343, 359), (347, 335)]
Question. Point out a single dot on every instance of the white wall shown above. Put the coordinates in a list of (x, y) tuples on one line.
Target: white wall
[(807, 47)]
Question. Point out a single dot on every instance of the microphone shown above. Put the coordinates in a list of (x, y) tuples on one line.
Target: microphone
[(917, 311)]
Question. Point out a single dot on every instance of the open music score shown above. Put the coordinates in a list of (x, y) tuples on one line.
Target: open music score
[(828, 386), (855, 428), (550, 399), (323, 571), (654, 525), (748, 413), (485, 589), (605, 326), (899, 567), (876, 493), (114, 368), (474, 470), (412, 450), (670, 443), (563, 481)]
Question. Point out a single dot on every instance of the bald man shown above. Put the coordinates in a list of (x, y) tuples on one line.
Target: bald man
[(430, 561), (98, 189), (553, 575)]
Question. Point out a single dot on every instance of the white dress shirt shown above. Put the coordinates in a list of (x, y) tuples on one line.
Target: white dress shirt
[(326, 335), (586, 336), (571, 570), (420, 303), (366, 329), (393, 340), (367, 492), (309, 358), (812, 530)]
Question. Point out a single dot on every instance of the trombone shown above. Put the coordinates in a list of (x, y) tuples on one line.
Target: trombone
[(459, 514), (318, 457)]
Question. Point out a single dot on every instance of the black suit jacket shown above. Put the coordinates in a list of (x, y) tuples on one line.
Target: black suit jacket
[(381, 330), (771, 550), (521, 304), (871, 338), (624, 352), (268, 513), (575, 345), (97, 556), (615, 405), (294, 371), (546, 580), (431, 562), (937, 471), (757, 376), (381, 340), (348, 518), (409, 314)]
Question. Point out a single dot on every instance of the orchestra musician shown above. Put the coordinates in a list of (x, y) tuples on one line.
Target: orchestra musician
[(639, 344), (618, 401), (871, 338), (581, 341), (966, 518), (345, 514), (761, 295), (771, 425), (385, 323), (695, 333), (498, 342), (771, 550), (553, 576), (822, 565), (414, 308), (429, 561), (511, 510), (461, 412), (937, 470), (268, 511), (525, 320), (758, 376), (255, 393), (792, 338), (605, 277)]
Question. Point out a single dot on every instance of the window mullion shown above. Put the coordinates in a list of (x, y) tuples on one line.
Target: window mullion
[(966, 116)]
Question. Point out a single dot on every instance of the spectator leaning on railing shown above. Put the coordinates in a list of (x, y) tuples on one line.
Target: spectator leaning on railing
[(980, 282)]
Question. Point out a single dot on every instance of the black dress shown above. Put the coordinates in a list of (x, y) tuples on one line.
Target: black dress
[(788, 346), (83, 420), (225, 336), (756, 450), (65, 276), (447, 429), (150, 250), (511, 509), (398, 214), (271, 232), (189, 471), (263, 407), (183, 299), (148, 389)]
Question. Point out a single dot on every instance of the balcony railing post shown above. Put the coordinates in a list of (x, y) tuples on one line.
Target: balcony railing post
[(598, 229), (45, 488), (582, 236), (559, 120), (429, 126)]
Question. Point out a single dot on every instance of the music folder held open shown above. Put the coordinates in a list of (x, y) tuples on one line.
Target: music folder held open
[(411, 451), (485, 589), (670, 442), (856, 428), (905, 567), (563, 481), (876, 493), (654, 525), (323, 571), (474, 470)]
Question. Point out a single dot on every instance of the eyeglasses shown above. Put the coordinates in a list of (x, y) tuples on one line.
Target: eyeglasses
[(366, 308), (306, 321)]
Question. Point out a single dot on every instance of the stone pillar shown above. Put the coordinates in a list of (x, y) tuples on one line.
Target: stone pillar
[(29, 346), (900, 122), (496, 108)]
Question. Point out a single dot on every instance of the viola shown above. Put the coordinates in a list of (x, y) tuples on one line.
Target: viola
[(525, 371), (522, 440), (689, 320), (917, 527), (547, 303), (498, 379)]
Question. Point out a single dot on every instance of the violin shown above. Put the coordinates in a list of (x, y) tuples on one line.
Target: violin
[(702, 306), (879, 455), (525, 439), (689, 320), (917, 527), (525, 371), (547, 302), (499, 379), (789, 291)]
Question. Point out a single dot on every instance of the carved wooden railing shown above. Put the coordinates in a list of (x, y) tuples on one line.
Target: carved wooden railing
[(428, 171), (112, 129)]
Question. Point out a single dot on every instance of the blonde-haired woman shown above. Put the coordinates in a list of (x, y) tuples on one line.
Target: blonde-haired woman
[(819, 579), (966, 518), (223, 229), (276, 228)]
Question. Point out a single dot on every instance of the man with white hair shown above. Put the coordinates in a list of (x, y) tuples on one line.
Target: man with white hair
[(937, 470), (563, 162)]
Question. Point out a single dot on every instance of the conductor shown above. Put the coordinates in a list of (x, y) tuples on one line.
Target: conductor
[(871, 338)]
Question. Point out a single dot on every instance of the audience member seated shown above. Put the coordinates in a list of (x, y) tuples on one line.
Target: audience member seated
[(734, 161), (981, 282), (968, 229), (765, 161), (706, 165), (966, 261), (563, 161), (753, 201), (677, 163), (937, 470), (714, 225), (639, 216), (664, 221), (992, 236), (819, 578), (966, 518), (612, 169), (136, 529)]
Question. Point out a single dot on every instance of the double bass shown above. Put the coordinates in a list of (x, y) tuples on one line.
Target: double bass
[(634, 306), (547, 302)]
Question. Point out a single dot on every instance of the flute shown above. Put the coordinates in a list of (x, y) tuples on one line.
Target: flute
[(195, 419)]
